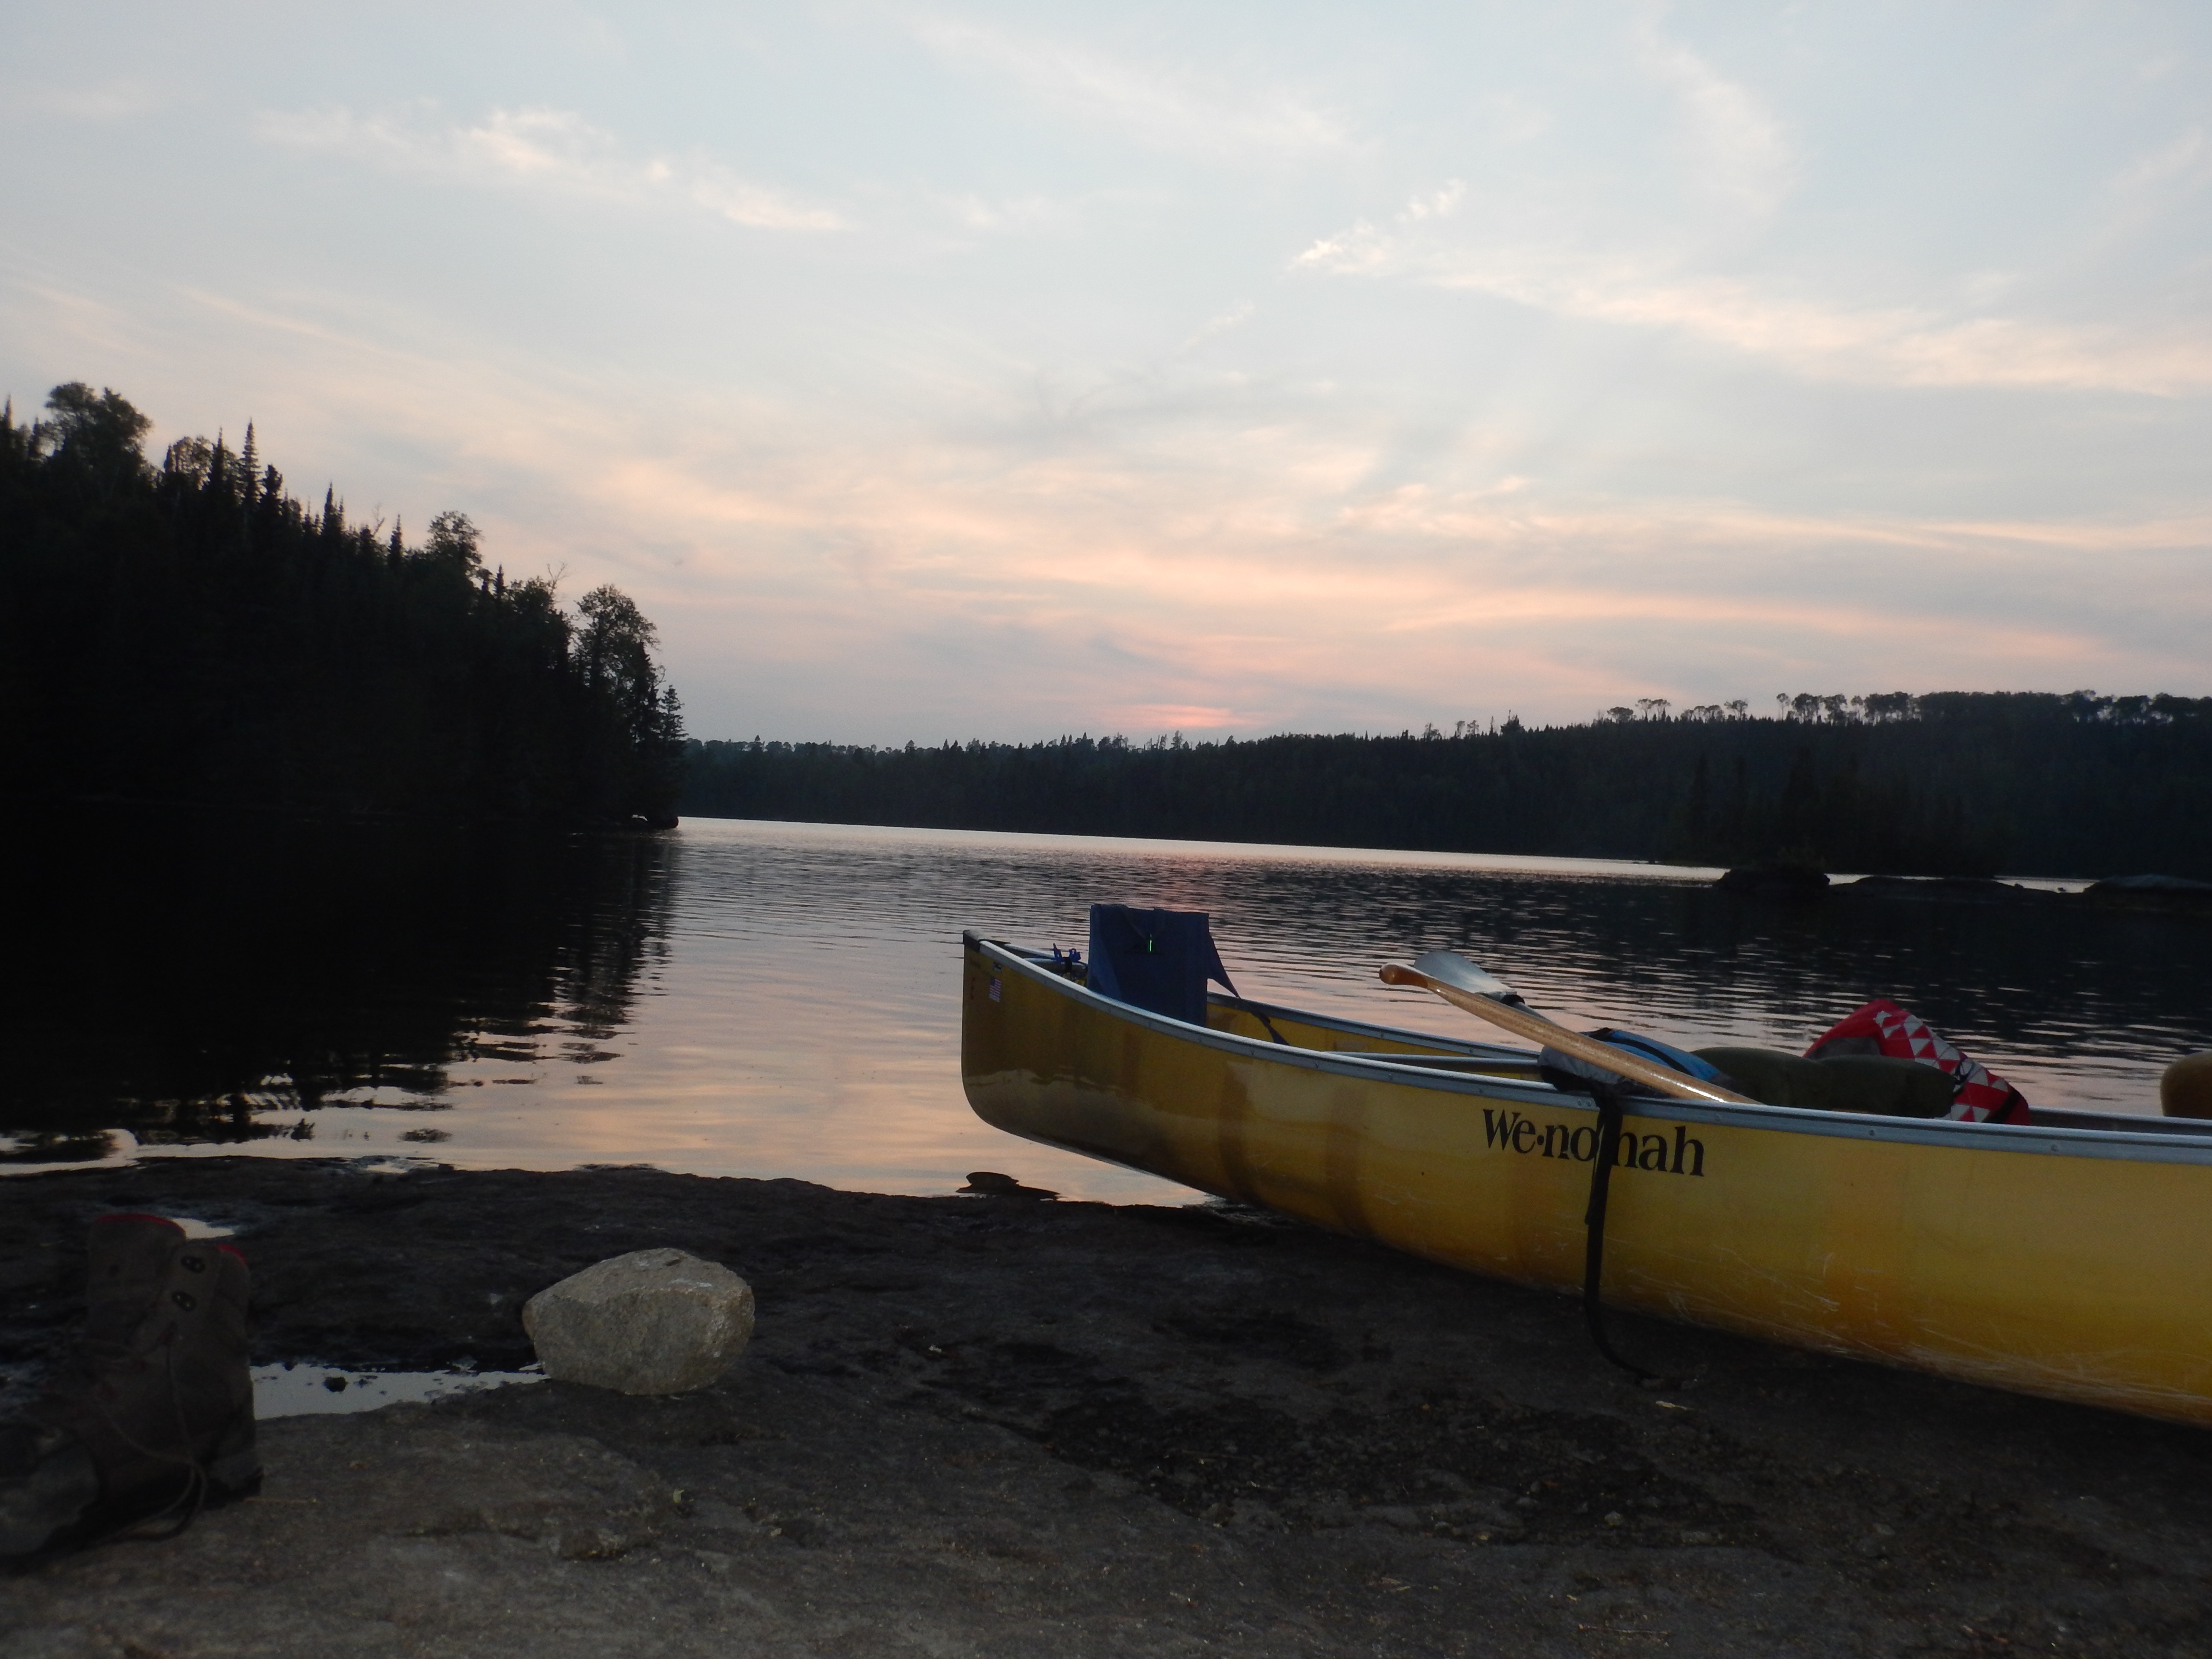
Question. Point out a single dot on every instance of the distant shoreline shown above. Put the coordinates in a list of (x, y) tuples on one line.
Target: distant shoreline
[(1966, 889), (1951, 783)]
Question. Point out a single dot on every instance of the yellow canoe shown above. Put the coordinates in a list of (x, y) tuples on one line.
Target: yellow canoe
[(2072, 1257)]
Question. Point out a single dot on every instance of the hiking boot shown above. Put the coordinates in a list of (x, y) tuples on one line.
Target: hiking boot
[(125, 1260), (151, 1419)]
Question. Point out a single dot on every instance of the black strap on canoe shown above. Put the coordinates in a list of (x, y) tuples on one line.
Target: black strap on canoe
[(1608, 1148), (1254, 1013)]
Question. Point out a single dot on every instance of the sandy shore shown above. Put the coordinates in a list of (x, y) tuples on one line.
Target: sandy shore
[(974, 1425)]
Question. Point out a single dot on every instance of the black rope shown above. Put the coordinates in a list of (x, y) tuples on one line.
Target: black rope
[(1608, 1149)]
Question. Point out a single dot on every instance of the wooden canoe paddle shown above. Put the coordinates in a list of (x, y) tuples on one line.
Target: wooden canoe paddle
[(1467, 986)]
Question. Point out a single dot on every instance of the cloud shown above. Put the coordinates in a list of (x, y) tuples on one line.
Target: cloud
[(1250, 580), (115, 100), (1169, 109), (922, 566), (1016, 215), (1173, 717), (1440, 204), (2182, 163), (548, 149), (1235, 318), (1668, 238), (1736, 149), (2155, 188), (1820, 339)]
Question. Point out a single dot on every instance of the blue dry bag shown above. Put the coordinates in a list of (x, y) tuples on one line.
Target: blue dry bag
[(1565, 1070)]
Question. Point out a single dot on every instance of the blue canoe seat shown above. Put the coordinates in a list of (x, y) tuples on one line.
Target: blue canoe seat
[(1156, 960)]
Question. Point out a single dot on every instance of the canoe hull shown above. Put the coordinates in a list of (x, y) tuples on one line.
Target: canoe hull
[(2061, 1264)]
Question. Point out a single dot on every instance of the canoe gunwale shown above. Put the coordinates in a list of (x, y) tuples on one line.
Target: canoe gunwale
[(1449, 1045), (2126, 1144)]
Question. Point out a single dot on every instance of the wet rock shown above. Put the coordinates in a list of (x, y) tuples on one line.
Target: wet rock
[(653, 1321), (1774, 881), (2152, 892), (992, 1184), (1947, 890)]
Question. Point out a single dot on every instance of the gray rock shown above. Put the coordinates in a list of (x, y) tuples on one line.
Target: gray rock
[(653, 1321)]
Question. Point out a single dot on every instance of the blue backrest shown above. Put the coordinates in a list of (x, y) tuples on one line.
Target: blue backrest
[(1156, 960)]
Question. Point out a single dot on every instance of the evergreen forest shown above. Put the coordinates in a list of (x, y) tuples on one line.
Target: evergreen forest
[(1955, 783), (191, 633)]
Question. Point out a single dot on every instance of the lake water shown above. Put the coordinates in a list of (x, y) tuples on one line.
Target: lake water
[(782, 1000)]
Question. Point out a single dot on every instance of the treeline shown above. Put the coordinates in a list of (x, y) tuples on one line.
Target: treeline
[(192, 634), (1957, 783)]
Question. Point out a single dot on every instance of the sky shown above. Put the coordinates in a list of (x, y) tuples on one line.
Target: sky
[(964, 370)]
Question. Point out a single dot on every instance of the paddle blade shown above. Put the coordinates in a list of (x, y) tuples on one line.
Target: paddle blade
[(1449, 967)]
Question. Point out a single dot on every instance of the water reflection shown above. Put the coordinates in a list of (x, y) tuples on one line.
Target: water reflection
[(782, 998), (201, 981)]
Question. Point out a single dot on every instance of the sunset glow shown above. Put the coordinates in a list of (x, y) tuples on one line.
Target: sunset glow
[(1005, 372)]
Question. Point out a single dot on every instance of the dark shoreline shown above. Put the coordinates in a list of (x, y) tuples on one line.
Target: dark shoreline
[(991, 1425)]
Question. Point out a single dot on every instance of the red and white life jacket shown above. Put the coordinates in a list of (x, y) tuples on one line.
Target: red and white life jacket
[(1979, 1095)]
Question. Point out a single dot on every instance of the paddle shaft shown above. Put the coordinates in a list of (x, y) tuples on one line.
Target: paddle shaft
[(1527, 1022)]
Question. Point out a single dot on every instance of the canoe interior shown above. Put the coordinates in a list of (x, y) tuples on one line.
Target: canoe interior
[(1242, 1017), (1321, 1034)]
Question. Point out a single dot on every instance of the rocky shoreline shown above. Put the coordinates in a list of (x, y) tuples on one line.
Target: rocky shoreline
[(986, 1424), (2153, 894)]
